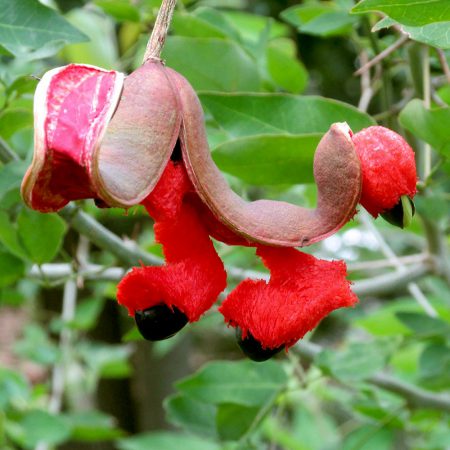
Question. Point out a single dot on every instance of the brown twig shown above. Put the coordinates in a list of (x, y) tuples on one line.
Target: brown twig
[(384, 54), (444, 64), (158, 37)]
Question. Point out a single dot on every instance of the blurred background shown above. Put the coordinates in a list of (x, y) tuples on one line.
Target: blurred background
[(74, 372)]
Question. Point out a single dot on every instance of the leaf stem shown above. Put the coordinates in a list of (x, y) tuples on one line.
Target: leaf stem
[(158, 37)]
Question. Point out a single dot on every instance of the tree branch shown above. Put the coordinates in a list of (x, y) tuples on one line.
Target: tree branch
[(415, 396)]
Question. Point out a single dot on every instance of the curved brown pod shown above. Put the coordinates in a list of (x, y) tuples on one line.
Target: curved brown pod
[(337, 173), (140, 137)]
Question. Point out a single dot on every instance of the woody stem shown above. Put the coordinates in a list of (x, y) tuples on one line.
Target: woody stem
[(158, 37)]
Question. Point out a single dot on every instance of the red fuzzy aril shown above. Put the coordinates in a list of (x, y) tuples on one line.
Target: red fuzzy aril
[(388, 168), (193, 275), (302, 290)]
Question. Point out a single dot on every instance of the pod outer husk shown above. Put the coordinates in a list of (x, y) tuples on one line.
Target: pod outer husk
[(72, 107), (337, 173), (140, 137)]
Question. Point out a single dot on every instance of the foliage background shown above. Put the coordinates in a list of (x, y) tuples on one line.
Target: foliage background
[(272, 77)]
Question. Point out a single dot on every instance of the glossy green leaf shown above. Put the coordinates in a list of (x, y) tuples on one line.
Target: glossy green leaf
[(40, 234), (11, 175), (358, 362), (191, 415), (13, 120), (166, 441), (428, 125), (27, 25), (41, 426), (285, 69), (9, 236), (121, 10), (324, 19), (92, 426), (233, 420), (202, 62), (269, 159), (101, 50), (435, 365), (423, 325), (408, 12), (11, 268), (190, 25), (255, 114), (434, 34), (243, 382)]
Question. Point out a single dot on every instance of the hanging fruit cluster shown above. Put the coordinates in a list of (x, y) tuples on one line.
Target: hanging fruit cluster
[(141, 140)]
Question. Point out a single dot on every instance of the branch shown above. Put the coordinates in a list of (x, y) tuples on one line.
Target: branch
[(415, 396), (158, 37), (384, 54)]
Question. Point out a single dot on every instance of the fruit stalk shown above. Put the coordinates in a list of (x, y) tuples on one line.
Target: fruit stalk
[(158, 37)]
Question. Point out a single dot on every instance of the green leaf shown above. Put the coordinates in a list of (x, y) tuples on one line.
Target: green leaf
[(434, 34), (423, 325), (40, 426), (435, 365), (92, 426), (121, 10), (165, 441), (428, 125), (251, 26), (189, 25), (191, 415), (40, 234), (13, 388), (254, 114), (11, 268), (408, 12), (36, 346), (244, 383), (285, 70), (28, 25), (11, 176), (13, 120), (324, 19), (358, 362), (233, 420), (101, 50), (269, 159), (87, 313), (202, 62), (9, 237)]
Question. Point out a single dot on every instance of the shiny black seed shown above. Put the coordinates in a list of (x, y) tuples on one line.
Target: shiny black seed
[(99, 203), (160, 322), (401, 214), (177, 155), (253, 348)]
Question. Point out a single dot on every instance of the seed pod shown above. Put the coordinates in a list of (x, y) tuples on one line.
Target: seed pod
[(388, 170), (75, 159), (336, 170)]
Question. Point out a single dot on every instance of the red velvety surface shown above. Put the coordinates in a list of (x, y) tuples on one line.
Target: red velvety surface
[(389, 169), (302, 290), (193, 275)]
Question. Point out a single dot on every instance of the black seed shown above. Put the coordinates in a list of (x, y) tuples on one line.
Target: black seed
[(397, 215), (99, 203), (160, 322), (253, 348), (176, 152)]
